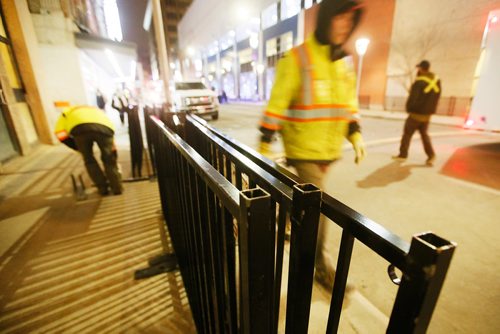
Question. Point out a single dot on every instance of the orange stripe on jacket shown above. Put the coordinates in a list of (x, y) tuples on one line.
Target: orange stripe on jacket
[(322, 106), (270, 126), (62, 135), (302, 120)]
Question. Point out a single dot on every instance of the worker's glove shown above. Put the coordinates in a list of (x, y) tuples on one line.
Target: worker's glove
[(359, 146), (265, 149)]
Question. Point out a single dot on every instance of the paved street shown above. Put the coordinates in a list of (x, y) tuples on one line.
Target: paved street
[(458, 199)]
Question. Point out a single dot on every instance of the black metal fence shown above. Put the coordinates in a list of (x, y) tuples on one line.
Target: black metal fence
[(226, 208), (447, 106)]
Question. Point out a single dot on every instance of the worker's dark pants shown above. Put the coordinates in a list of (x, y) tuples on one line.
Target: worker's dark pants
[(412, 125), (122, 116), (84, 143), (310, 172)]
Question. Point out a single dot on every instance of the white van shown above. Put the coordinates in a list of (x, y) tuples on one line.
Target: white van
[(194, 97)]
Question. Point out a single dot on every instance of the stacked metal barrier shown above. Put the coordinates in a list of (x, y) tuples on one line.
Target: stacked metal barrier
[(226, 208)]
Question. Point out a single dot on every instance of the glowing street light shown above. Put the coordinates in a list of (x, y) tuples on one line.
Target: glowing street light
[(254, 41), (361, 48), (190, 51), (260, 68)]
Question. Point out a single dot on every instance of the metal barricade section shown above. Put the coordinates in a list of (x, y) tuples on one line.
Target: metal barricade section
[(226, 208), (424, 263), (226, 294)]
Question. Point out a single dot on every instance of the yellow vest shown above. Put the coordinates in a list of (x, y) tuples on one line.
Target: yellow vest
[(312, 102), (74, 116)]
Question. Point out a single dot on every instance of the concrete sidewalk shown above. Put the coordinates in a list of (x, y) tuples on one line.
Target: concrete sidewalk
[(455, 121), (458, 199), (68, 265), (435, 119)]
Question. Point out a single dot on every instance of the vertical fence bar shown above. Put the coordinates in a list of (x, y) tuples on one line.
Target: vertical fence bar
[(256, 243), (207, 223), (192, 247), (229, 267), (229, 170), (306, 207), (148, 111), (278, 272), (238, 179), (451, 105), (344, 260), (427, 263), (202, 253), (424, 270)]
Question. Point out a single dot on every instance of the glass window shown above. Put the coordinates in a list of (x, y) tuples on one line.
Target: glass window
[(211, 67), (270, 16), (8, 59), (245, 56), (271, 47), (286, 42), (228, 85), (289, 8), (248, 85)]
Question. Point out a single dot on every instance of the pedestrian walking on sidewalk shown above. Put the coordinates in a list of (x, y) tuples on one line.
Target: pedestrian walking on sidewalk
[(421, 104), (120, 103), (79, 127), (314, 106), (100, 99)]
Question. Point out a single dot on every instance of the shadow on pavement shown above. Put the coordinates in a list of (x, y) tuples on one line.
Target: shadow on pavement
[(390, 173), (478, 164)]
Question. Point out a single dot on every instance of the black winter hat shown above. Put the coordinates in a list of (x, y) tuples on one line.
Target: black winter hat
[(424, 64), (330, 8)]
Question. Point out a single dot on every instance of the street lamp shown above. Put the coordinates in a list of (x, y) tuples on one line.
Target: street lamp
[(361, 47), (254, 41)]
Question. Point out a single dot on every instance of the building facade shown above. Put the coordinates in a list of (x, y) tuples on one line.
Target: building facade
[(55, 50), (448, 34), (239, 58), (172, 12)]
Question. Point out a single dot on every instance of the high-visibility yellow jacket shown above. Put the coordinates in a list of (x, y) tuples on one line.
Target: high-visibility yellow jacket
[(74, 116), (312, 102)]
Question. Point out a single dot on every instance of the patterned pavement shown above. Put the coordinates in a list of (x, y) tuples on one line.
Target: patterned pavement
[(68, 266)]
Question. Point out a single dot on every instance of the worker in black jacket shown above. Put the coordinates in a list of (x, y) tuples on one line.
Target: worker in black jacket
[(421, 104)]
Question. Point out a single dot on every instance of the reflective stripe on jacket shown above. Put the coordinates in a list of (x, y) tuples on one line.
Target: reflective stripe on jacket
[(312, 102), (73, 116)]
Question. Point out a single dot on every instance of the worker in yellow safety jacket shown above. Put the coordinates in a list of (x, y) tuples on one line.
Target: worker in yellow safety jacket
[(79, 127), (314, 106)]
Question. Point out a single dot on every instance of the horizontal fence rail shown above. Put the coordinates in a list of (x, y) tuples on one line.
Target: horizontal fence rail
[(200, 206), (251, 303), (447, 106)]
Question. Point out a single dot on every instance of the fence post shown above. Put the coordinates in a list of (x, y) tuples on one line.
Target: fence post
[(149, 111), (256, 248), (426, 266), (135, 136), (451, 106), (306, 206)]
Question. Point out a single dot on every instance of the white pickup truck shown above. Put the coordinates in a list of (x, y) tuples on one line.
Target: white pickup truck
[(194, 97)]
